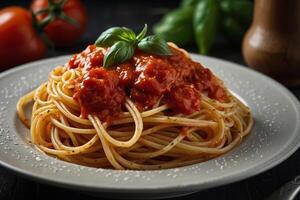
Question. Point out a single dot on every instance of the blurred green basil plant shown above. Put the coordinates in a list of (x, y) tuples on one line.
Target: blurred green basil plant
[(199, 21)]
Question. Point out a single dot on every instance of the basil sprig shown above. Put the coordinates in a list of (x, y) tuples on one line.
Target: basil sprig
[(142, 33), (118, 53), (154, 44), (123, 42), (113, 35)]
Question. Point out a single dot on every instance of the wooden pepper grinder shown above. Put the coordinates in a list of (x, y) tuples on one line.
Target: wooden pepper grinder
[(272, 44)]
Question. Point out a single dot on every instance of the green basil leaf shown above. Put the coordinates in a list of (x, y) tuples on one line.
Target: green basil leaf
[(118, 53), (189, 3), (177, 26), (142, 33), (205, 21), (242, 11), (154, 45), (128, 34), (113, 35), (232, 29)]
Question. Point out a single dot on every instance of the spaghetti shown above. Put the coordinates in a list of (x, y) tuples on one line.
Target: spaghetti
[(129, 117)]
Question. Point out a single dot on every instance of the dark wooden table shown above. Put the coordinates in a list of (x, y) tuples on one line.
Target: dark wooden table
[(133, 14)]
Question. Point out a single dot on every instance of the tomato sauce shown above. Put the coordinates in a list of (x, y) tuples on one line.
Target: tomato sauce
[(89, 58), (146, 79), (98, 92)]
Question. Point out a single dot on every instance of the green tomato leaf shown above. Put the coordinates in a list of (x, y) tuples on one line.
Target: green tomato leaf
[(142, 33), (113, 35), (177, 26), (118, 53), (154, 45), (206, 19)]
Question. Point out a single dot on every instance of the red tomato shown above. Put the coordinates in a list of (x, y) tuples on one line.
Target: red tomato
[(60, 32), (19, 42)]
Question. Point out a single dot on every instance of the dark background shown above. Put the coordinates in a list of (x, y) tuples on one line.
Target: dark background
[(134, 14)]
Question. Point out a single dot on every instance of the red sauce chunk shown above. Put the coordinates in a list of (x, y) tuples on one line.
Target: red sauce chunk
[(155, 78), (146, 79), (98, 92), (89, 58), (185, 99)]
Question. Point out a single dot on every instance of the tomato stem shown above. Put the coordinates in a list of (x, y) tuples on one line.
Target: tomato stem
[(54, 11), (41, 11), (70, 20)]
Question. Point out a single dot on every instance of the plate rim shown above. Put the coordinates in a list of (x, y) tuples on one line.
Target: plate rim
[(191, 186)]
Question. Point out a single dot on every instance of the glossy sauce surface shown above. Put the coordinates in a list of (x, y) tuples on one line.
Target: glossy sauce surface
[(146, 79)]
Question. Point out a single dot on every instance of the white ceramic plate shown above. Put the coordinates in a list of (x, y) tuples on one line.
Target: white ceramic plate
[(275, 136)]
